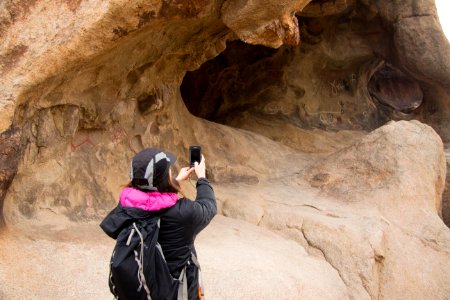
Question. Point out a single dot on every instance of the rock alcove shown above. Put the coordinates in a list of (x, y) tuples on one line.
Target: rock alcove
[(348, 74), (246, 80), (292, 103)]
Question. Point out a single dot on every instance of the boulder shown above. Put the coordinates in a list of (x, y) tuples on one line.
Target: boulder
[(360, 207), (399, 167)]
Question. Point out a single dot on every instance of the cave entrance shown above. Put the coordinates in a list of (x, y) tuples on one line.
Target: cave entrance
[(230, 83)]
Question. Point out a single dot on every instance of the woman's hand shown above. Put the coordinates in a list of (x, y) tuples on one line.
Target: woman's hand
[(200, 168), (184, 174)]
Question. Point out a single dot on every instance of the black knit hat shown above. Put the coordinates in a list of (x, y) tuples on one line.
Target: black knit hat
[(151, 168)]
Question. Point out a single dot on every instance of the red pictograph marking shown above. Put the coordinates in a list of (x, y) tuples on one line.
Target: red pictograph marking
[(118, 135), (87, 141)]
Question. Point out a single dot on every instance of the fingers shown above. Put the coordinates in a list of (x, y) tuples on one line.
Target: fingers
[(202, 161), (184, 173), (200, 168)]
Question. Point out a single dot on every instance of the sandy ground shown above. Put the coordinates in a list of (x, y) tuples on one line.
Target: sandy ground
[(239, 261), (52, 268)]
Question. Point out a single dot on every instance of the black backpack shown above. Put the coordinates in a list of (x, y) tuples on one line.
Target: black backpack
[(138, 268)]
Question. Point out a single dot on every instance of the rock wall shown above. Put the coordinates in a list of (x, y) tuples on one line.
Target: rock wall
[(280, 94), (116, 82)]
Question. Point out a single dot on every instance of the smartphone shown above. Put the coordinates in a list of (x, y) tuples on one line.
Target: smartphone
[(195, 154)]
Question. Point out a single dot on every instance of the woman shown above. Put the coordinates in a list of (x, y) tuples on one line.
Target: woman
[(154, 190)]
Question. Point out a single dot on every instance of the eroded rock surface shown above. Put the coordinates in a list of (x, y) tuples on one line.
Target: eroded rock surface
[(404, 159), (10, 152), (369, 202), (392, 88), (87, 84)]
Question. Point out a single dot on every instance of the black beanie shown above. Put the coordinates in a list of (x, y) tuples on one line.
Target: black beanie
[(150, 168)]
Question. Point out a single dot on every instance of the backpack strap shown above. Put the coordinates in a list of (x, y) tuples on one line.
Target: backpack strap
[(183, 287), (201, 290), (139, 258)]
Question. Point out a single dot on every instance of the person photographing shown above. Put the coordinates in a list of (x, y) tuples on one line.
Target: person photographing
[(149, 205)]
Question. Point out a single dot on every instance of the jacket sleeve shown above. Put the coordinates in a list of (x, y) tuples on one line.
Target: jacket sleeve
[(204, 206)]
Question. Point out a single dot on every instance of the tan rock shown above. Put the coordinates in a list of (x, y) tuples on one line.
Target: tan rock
[(267, 260), (268, 23), (238, 260), (87, 84), (446, 194), (398, 167), (374, 199), (320, 9)]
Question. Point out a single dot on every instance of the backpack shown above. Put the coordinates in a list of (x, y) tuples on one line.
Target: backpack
[(138, 269)]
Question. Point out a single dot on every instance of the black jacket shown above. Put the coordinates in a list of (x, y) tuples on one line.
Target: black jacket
[(183, 221), (180, 225)]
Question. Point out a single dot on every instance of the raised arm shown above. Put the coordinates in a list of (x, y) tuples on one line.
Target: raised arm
[(205, 206)]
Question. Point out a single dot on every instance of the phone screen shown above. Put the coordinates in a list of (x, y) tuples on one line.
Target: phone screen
[(195, 154)]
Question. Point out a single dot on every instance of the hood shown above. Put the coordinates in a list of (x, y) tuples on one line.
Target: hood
[(136, 205), (148, 201)]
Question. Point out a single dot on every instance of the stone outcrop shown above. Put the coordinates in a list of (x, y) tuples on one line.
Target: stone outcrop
[(268, 23), (404, 159), (281, 95), (10, 145), (369, 202), (446, 195)]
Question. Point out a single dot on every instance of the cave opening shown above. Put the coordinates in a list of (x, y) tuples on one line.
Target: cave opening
[(226, 84), (315, 85)]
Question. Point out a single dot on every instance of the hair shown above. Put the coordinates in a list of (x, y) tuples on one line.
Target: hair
[(176, 186)]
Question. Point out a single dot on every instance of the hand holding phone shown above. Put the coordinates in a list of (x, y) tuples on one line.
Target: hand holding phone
[(195, 155), (200, 168)]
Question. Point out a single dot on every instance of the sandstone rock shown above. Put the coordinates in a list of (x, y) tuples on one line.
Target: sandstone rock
[(269, 23), (365, 209), (231, 246), (446, 194), (398, 167), (321, 9), (85, 85), (307, 141), (324, 83), (40, 40), (416, 27), (10, 142), (252, 252)]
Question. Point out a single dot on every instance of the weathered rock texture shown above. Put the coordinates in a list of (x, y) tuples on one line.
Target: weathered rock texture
[(446, 195), (404, 159), (87, 84), (364, 218)]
